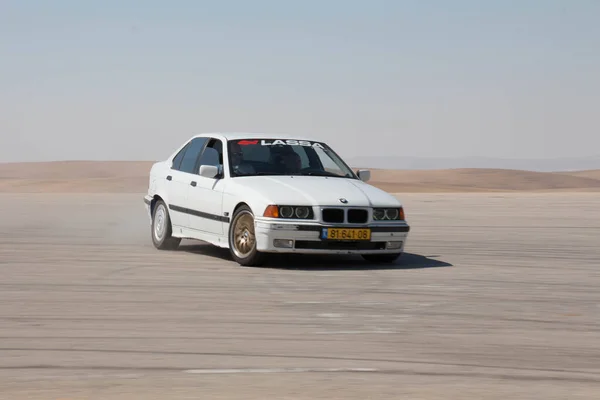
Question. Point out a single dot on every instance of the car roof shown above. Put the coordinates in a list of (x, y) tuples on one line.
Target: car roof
[(255, 135)]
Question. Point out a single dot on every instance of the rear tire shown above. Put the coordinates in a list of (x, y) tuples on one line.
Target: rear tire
[(381, 258), (162, 229), (242, 238)]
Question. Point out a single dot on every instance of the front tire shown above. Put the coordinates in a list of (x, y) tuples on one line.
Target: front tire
[(242, 238), (381, 258), (162, 229)]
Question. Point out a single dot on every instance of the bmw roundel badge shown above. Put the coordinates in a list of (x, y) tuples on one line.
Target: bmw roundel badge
[(343, 200)]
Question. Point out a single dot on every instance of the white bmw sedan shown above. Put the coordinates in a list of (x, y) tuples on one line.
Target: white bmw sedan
[(259, 194)]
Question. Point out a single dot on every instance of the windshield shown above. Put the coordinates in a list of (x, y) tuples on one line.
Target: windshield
[(249, 157)]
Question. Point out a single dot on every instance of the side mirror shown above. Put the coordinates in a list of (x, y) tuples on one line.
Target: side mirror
[(209, 171), (209, 161), (364, 174)]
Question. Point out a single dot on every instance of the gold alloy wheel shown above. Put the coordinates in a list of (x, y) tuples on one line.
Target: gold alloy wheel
[(244, 238)]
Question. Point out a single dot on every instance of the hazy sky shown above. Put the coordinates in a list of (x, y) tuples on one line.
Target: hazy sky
[(133, 79)]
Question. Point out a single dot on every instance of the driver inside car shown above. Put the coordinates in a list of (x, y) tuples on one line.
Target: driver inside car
[(237, 160)]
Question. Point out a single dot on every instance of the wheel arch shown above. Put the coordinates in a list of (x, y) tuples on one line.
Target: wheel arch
[(155, 200), (256, 208), (239, 205)]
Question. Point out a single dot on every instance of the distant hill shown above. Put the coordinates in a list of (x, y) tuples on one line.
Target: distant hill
[(538, 165), (132, 177), (593, 173), (75, 176), (482, 180), (61, 170)]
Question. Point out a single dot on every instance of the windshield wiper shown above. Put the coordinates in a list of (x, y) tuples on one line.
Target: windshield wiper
[(320, 173)]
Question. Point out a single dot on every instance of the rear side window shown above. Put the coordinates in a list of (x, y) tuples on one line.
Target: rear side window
[(188, 162), (177, 159)]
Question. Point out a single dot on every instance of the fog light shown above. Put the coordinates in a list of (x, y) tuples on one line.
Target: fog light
[(286, 243), (283, 227), (393, 245)]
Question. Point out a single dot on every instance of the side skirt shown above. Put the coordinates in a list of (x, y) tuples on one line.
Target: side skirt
[(216, 240)]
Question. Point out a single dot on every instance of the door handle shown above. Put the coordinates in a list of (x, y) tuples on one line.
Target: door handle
[(169, 177), (193, 183)]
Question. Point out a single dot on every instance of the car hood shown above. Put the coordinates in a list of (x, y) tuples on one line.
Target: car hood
[(316, 190)]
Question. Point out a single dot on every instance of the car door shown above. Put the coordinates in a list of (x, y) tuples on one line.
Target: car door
[(181, 177), (205, 195), (176, 190)]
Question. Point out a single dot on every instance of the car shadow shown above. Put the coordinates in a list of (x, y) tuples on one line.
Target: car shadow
[(309, 262)]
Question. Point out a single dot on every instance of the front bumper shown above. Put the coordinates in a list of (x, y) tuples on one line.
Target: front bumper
[(289, 237)]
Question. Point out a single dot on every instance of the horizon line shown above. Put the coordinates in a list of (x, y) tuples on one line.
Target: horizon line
[(355, 166)]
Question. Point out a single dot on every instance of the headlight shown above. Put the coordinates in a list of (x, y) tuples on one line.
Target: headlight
[(378, 214), (302, 212), (288, 212), (388, 214)]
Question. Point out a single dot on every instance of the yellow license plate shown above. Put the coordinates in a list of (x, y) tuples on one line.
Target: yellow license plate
[(346, 234)]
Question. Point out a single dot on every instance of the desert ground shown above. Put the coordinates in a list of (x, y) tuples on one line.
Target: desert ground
[(497, 296)]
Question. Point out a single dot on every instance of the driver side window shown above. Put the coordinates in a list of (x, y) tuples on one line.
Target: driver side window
[(213, 154)]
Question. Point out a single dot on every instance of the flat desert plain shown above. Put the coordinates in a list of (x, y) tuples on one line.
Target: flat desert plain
[(497, 297)]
